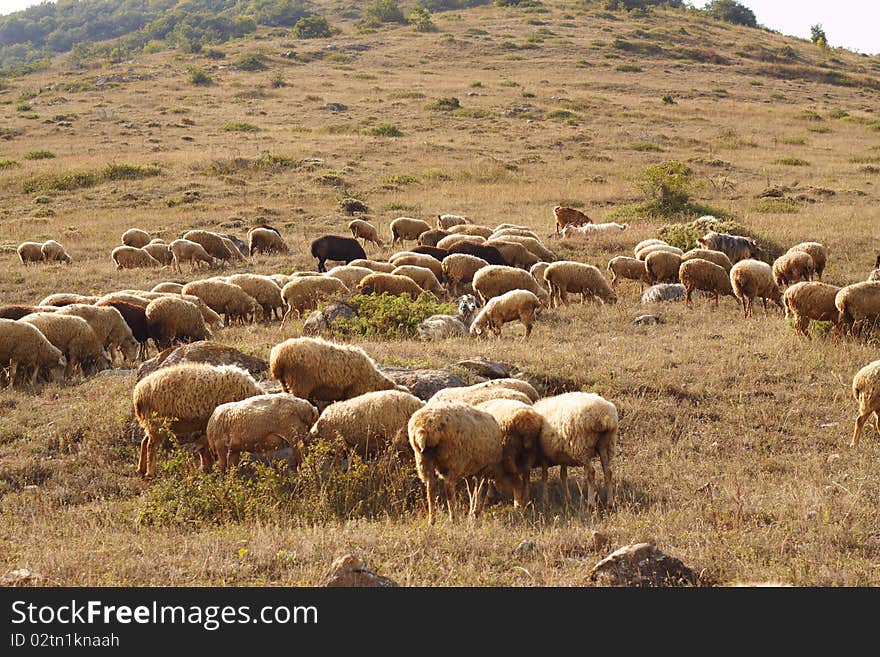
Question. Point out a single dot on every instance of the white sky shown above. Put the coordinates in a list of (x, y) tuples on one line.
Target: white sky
[(853, 24)]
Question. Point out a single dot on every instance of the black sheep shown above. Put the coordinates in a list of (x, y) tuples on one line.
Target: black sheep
[(488, 253), (432, 251), (335, 247)]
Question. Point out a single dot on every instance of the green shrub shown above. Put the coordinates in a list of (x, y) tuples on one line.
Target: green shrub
[(791, 161), (731, 11), (390, 316), (115, 171), (445, 104), (198, 76), (39, 155), (8, 163), (668, 184), (383, 11), (776, 206), (685, 235), (384, 130), (628, 68), (420, 18), (240, 126), (23, 107), (252, 62), (400, 179), (70, 180), (312, 27), (213, 53), (645, 146)]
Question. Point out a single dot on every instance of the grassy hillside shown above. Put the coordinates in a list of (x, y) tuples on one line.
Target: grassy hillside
[(733, 445)]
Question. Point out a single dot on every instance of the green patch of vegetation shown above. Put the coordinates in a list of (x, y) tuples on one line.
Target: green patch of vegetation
[(252, 62), (869, 168), (794, 141), (810, 115), (729, 139), (31, 116), (445, 104), (114, 171), (791, 162), (8, 163), (384, 130), (214, 53), (646, 146), (509, 83), (406, 94), (628, 68), (563, 115), (240, 126), (381, 12), (198, 76), (400, 179), (390, 316), (78, 179), (685, 235), (187, 198), (668, 99), (312, 27), (819, 129), (837, 114), (436, 175), (23, 107), (776, 206)]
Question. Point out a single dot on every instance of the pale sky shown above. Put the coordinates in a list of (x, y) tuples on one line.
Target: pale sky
[(849, 24)]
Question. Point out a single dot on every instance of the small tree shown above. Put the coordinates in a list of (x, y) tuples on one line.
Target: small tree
[(668, 184), (383, 11), (311, 27), (817, 35), (420, 18), (732, 12)]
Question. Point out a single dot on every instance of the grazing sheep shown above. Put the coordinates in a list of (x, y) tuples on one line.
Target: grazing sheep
[(130, 257), (505, 226), (232, 247), (407, 228), (752, 278), (257, 424), (858, 306), (629, 268), (168, 286), (54, 252), (240, 245), (263, 289), (314, 369), (474, 230), (439, 327), (645, 251), (866, 390), (534, 246), (335, 247), (212, 319), (459, 269), (506, 388), (495, 280), (431, 237), (649, 242), (180, 400), (136, 237), (509, 307), (17, 311), (304, 293), (136, 318), (818, 252), (109, 327), (587, 230), (662, 267), (191, 252), (161, 252), (433, 251), (74, 337), (566, 276), (664, 292), (393, 284), (811, 300), (508, 230), (451, 240), (577, 427), (67, 298), (445, 221), (419, 260), (127, 297), (454, 441), (374, 265), (793, 267), (699, 274), (349, 274), (718, 257), (366, 231), (369, 423), (29, 252), (226, 299), (422, 277), (265, 240), (569, 217), (516, 254), (172, 320), (537, 271), (735, 247), (213, 243), (23, 345)]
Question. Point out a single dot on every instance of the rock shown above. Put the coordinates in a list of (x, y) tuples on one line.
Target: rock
[(353, 206), (526, 549), (334, 107), (204, 351), (322, 320), (663, 292), (647, 320), (642, 565), (349, 571), (487, 368), (23, 577), (422, 383)]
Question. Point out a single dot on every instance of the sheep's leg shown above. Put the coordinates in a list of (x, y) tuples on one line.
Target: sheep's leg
[(876, 422), (802, 324), (591, 485), (544, 494), (152, 456), (857, 431), (451, 498), (605, 457), (142, 458), (431, 487), (233, 458), (563, 478), (687, 297), (222, 464)]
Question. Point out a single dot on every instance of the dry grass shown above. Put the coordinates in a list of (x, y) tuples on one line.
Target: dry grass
[(733, 442)]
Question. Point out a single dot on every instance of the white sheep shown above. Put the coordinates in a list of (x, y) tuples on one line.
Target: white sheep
[(304, 293), (858, 306), (648, 242), (531, 242), (811, 300), (751, 279), (495, 280), (350, 275), (172, 319), (866, 390), (588, 230), (135, 237), (446, 221), (375, 265), (564, 276), (515, 253), (699, 274), (188, 251), (664, 292), (161, 252), (507, 388), (407, 228), (818, 252), (793, 267), (109, 327), (130, 257), (393, 284), (54, 252), (577, 427), (23, 345), (511, 306), (459, 269), (643, 253), (718, 257), (629, 268), (66, 298), (537, 271), (421, 276), (476, 230), (365, 231), (262, 239), (168, 286), (30, 252), (74, 337), (419, 260), (456, 238), (225, 299), (214, 243), (263, 289)]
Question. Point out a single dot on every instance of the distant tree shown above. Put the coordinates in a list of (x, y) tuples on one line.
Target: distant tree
[(817, 35), (312, 27), (420, 18), (383, 11), (629, 5), (732, 12)]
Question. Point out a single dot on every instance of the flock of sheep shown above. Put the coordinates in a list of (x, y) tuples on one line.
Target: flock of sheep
[(496, 431)]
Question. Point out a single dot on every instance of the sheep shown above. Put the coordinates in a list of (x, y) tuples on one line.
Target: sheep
[(793, 267), (419, 260), (718, 257), (422, 277), (315, 369), (366, 231), (439, 327), (109, 327), (161, 252), (509, 307), (752, 278), (74, 337), (212, 319), (811, 300), (511, 231), (180, 400), (265, 240), (374, 265), (506, 388), (858, 306), (451, 240), (23, 345), (239, 248), (534, 245), (213, 243), (29, 252), (699, 274), (735, 247), (369, 422), (645, 251), (304, 293), (136, 237), (431, 237), (520, 426), (407, 228), (393, 284), (649, 242), (874, 275), (515, 254), (866, 391), (257, 424), (225, 299), (495, 280), (505, 226), (66, 298), (437, 253), (609, 228), (453, 441), (537, 271), (17, 311), (629, 268), (818, 252), (130, 257), (54, 252), (349, 274), (569, 216), (566, 276), (171, 320), (459, 269), (335, 247), (474, 230), (189, 251), (168, 286), (445, 221), (662, 267), (485, 251), (281, 279), (136, 318), (263, 289), (664, 292), (127, 297), (577, 426)]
